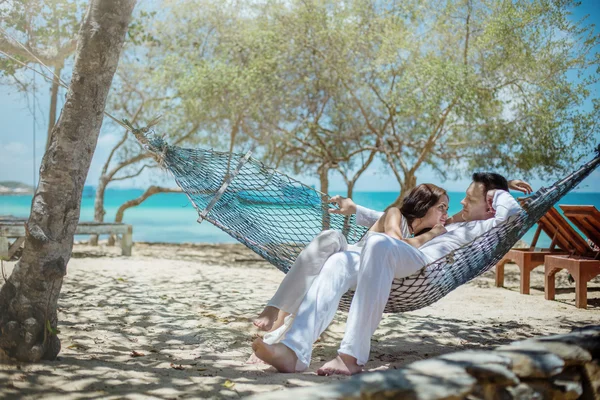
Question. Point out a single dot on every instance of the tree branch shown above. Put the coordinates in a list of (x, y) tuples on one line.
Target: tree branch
[(122, 178), (112, 152), (50, 58), (152, 190)]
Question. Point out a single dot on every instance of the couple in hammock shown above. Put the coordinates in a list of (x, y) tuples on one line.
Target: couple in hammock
[(400, 242)]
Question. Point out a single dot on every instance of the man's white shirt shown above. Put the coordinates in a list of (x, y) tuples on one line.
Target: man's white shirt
[(458, 234)]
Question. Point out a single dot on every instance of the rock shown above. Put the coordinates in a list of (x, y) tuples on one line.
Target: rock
[(570, 353), (533, 364), (398, 384), (497, 375), (566, 386), (439, 379), (558, 390), (591, 372), (588, 338), (561, 367), (522, 392), (469, 357)]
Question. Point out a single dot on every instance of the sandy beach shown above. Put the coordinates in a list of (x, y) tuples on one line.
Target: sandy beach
[(173, 321)]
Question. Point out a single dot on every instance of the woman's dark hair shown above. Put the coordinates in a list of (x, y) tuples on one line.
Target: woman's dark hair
[(419, 201)]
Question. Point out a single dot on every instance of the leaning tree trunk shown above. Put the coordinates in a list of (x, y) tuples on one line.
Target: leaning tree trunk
[(152, 190), (28, 299), (99, 211), (323, 171), (410, 181), (54, 101)]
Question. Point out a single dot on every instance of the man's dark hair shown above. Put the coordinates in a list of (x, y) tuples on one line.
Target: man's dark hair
[(491, 180)]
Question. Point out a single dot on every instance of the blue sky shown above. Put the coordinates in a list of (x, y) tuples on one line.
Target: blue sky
[(17, 149)]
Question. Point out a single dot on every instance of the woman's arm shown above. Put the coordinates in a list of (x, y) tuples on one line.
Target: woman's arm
[(364, 216), (420, 240), (390, 224)]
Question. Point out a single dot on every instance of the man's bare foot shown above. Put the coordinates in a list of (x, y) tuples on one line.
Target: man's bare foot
[(254, 360), (278, 355), (266, 318), (343, 364)]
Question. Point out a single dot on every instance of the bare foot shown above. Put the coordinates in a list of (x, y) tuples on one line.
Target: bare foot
[(254, 360), (266, 318), (343, 364), (278, 355)]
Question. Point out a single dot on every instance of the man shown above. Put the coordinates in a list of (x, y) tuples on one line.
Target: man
[(487, 203)]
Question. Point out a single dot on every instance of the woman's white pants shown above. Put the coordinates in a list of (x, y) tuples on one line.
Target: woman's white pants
[(369, 267), (307, 266)]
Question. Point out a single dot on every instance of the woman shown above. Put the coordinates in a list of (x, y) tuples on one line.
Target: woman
[(420, 218)]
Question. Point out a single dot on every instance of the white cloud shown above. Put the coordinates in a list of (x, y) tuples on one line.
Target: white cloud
[(16, 148)]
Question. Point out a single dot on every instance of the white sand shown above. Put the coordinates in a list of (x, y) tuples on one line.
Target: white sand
[(189, 306)]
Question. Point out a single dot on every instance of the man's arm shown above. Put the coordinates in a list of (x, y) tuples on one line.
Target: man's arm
[(504, 205), (514, 184)]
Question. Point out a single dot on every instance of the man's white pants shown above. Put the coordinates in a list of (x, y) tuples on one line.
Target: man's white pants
[(371, 270)]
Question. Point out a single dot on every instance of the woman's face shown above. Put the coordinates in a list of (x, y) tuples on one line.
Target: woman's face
[(437, 214)]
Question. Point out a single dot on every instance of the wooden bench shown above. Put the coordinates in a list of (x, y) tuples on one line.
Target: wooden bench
[(565, 241), (15, 229), (582, 268)]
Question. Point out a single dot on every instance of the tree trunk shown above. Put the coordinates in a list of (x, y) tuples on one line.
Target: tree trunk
[(53, 101), (323, 171), (28, 299), (410, 181), (99, 211), (349, 194)]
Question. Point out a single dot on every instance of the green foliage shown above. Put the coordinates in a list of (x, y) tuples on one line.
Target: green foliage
[(47, 28), (321, 84), (455, 85), (50, 330)]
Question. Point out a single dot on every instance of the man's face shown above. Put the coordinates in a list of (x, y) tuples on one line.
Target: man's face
[(474, 204)]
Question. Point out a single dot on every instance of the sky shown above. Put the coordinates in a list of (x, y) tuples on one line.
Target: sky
[(17, 132)]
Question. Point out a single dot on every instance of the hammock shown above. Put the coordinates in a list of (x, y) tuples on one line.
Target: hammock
[(276, 217)]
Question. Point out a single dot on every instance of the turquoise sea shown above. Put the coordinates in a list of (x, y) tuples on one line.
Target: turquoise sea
[(169, 217)]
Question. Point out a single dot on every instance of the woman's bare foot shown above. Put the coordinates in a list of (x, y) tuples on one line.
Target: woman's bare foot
[(278, 355), (343, 364), (266, 318), (270, 318), (254, 360)]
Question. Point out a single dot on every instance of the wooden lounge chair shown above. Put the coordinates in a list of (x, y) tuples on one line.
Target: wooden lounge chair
[(565, 241), (582, 268)]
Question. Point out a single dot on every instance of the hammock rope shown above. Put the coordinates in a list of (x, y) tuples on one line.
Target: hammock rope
[(276, 216)]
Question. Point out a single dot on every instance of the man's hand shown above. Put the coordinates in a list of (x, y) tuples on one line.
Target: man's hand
[(489, 198), (520, 186), (346, 205)]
